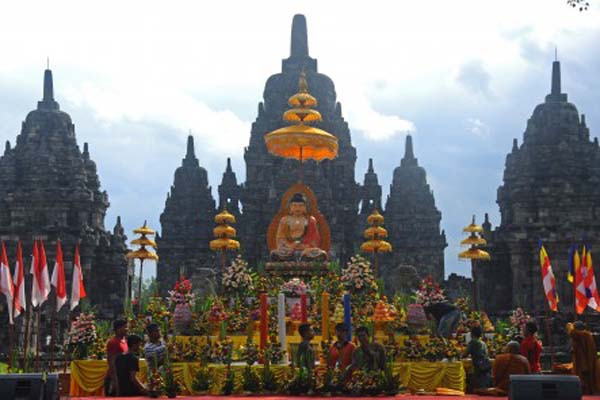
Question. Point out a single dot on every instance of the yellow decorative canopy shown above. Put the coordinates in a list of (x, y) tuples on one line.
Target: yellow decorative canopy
[(375, 219), (300, 141), (473, 227), (474, 254), (375, 233), (144, 241), (224, 217), (473, 240), (144, 230), (224, 234), (224, 231), (142, 254), (376, 246)]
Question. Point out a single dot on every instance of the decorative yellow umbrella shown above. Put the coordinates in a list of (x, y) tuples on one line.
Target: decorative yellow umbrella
[(224, 235), (375, 235), (474, 253), (142, 254), (298, 140)]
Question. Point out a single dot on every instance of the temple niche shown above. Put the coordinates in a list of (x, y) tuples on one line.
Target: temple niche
[(411, 215), (550, 192), (50, 189)]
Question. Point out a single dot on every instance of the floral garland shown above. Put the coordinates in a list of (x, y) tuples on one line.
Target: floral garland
[(236, 278), (182, 293), (429, 292), (294, 288)]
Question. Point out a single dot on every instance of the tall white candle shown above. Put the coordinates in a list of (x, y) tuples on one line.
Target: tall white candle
[(281, 321)]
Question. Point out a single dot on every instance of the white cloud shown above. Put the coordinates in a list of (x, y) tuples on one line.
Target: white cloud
[(477, 127)]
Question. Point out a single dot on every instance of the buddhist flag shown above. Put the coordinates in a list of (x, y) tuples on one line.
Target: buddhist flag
[(58, 278), (581, 298), (590, 283), (20, 302), (39, 268), (77, 288), (548, 279), (571, 274), (6, 283)]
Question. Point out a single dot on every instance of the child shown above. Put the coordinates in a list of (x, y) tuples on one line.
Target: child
[(531, 348), (305, 356)]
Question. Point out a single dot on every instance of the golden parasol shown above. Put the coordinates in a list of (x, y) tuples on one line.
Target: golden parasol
[(142, 254), (375, 235), (298, 140), (474, 253), (224, 235)]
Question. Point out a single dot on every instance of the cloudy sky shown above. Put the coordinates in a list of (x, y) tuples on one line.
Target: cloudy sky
[(461, 76)]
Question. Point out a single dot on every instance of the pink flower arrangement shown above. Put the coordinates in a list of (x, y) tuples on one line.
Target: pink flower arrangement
[(429, 292), (182, 293), (83, 330), (294, 288), (357, 276), (518, 320), (237, 278), (217, 314)]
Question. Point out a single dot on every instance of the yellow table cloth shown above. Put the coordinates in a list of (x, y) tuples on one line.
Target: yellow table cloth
[(87, 376)]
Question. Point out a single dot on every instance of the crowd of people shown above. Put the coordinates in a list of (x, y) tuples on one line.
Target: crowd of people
[(488, 378)]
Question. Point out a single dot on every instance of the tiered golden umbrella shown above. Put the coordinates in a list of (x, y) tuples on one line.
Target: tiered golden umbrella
[(143, 253), (375, 235), (224, 235), (474, 253), (300, 141)]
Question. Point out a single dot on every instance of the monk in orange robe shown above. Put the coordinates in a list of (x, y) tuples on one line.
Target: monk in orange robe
[(505, 365), (584, 356)]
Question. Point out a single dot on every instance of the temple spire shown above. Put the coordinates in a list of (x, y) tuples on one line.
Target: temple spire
[(555, 78), (7, 147), (408, 150), (190, 148), (48, 102), (228, 168), (370, 170), (86, 151), (299, 45)]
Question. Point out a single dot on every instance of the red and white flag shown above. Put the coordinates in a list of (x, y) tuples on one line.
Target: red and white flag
[(590, 283), (6, 283), (58, 278), (39, 268), (77, 288), (20, 302), (548, 280)]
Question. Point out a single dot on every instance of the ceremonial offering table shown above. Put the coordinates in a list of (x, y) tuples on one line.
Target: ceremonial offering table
[(87, 376)]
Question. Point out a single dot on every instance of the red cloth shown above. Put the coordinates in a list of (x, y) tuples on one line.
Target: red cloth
[(345, 352), (116, 346), (312, 237), (531, 349)]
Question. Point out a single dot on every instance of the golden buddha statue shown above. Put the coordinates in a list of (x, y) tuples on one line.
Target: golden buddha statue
[(298, 236)]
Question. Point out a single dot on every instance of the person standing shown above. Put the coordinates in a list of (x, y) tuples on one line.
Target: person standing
[(446, 316), (127, 366), (340, 354), (155, 349), (115, 346), (531, 348), (305, 356), (482, 365), (584, 356)]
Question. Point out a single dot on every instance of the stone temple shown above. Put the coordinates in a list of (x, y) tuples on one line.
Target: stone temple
[(49, 190), (411, 215), (551, 191)]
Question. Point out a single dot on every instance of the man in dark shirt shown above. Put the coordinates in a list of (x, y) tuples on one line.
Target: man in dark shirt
[(446, 316), (368, 356), (305, 355), (127, 366)]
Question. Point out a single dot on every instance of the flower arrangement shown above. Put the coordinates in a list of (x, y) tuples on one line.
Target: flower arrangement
[(221, 352), (438, 349), (182, 293), (413, 350), (357, 277), (302, 381), (518, 320), (190, 350), (464, 304), (250, 380), (249, 353), (274, 354), (429, 292), (236, 277), (217, 313), (296, 313), (82, 335), (170, 384), (294, 288), (155, 382), (203, 381), (364, 383)]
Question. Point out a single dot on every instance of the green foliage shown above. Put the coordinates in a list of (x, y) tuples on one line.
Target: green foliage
[(250, 380), (202, 381), (302, 381), (229, 384), (269, 380)]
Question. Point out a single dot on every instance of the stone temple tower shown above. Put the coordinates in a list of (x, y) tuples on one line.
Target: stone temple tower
[(268, 177), (413, 220), (551, 191), (50, 190), (186, 227)]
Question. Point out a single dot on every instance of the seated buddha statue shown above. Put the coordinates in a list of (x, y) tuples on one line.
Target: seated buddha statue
[(297, 236)]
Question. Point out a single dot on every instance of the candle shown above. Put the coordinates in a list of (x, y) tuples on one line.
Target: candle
[(281, 320), (303, 308), (348, 314), (325, 316), (264, 321)]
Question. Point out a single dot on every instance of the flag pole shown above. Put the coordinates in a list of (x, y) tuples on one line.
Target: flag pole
[(52, 318), (37, 338)]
